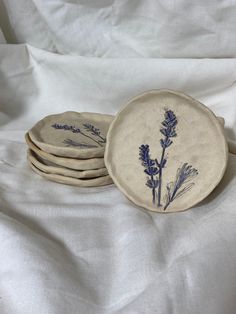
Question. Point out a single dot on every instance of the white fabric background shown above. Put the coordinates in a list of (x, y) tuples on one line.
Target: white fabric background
[(2, 38), (124, 28), (67, 250)]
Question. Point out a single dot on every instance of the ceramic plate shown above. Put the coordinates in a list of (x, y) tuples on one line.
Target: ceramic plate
[(73, 181), (166, 151), (77, 164), (49, 167), (72, 134)]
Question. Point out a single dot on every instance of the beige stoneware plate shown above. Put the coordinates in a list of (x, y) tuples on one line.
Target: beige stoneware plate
[(71, 163), (48, 167), (94, 182), (72, 134), (166, 151)]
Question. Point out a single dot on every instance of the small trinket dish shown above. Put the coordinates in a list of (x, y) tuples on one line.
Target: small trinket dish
[(72, 134), (166, 151)]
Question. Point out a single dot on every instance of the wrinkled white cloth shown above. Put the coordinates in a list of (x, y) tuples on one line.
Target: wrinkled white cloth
[(2, 38), (71, 250), (68, 250), (127, 28)]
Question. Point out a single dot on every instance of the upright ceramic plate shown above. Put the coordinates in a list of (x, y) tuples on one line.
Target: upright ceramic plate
[(72, 134), (49, 167), (95, 182), (166, 151), (71, 163)]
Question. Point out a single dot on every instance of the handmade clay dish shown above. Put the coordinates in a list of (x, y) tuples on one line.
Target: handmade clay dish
[(71, 163), (166, 151), (94, 182), (49, 167), (72, 134)]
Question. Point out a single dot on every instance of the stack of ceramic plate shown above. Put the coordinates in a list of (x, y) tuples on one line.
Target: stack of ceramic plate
[(69, 148)]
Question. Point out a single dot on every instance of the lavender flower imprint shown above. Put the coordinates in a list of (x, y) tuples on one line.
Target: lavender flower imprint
[(150, 169), (154, 168), (168, 130), (95, 131), (73, 129)]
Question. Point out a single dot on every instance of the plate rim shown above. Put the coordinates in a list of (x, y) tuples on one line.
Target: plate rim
[(46, 168), (76, 180), (81, 164)]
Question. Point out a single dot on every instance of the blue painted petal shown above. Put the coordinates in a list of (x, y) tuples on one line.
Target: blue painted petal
[(152, 184), (164, 132)]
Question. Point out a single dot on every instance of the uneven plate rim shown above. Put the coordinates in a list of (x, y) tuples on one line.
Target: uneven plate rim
[(79, 174), (91, 182), (81, 164)]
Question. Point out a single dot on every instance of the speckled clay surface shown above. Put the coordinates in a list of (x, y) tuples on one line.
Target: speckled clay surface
[(71, 163), (72, 134), (195, 151), (95, 182), (49, 167)]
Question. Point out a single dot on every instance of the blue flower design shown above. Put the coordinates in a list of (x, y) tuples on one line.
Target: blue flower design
[(66, 127), (153, 167), (150, 169), (94, 131), (168, 130), (147, 162), (74, 129)]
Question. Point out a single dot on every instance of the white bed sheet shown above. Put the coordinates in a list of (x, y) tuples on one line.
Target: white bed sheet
[(71, 250)]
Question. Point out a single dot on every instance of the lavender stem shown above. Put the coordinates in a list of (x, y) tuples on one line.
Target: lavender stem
[(90, 138), (153, 192), (160, 178)]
